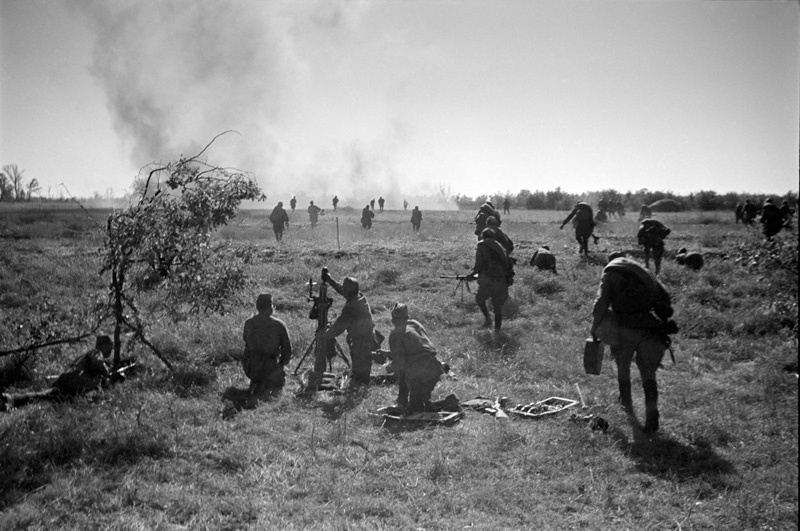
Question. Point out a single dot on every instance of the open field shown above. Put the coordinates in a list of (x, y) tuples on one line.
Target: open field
[(165, 451)]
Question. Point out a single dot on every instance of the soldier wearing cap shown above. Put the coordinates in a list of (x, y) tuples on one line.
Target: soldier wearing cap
[(356, 320), (500, 236), (491, 269), (413, 359), (267, 348)]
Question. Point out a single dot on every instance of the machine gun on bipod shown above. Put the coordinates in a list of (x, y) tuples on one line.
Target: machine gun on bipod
[(323, 348), (463, 280)]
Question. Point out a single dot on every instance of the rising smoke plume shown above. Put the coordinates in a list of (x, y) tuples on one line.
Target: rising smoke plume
[(177, 73)]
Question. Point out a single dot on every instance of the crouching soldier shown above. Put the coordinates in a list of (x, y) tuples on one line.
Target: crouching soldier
[(267, 349), (544, 260), (691, 260), (636, 325), (413, 359)]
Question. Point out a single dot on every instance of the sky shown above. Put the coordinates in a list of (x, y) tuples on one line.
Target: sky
[(399, 98)]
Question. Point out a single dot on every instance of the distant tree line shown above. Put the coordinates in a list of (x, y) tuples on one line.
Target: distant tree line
[(706, 200), (13, 186)]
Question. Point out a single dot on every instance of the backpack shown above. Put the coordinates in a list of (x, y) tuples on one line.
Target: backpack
[(642, 292), (584, 212), (652, 232)]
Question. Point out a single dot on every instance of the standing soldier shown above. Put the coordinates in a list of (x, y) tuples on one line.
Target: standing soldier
[(356, 320), (507, 206), (293, 203), (771, 219), (500, 236), (416, 219), (584, 224), (335, 202), (413, 360), (381, 202), (279, 219), (267, 348), (787, 213), (738, 211), (637, 324), (405, 204), (485, 211), (372, 203), (651, 236), (493, 270), (313, 213), (749, 212), (366, 217)]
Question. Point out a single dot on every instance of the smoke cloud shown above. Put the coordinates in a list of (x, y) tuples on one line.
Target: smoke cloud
[(178, 73)]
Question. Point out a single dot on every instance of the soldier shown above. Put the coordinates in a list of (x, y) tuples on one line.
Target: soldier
[(335, 202), (267, 349), (601, 216), (750, 211), (771, 219), (372, 204), (500, 236), (313, 213), (638, 321), (544, 260), (485, 211), (279, 219), (738, 211), (583, 223), (356, 319), (381, 202), (494, 271), (787, 214), (506, 206), (88, 373), (413, 359), (690, 260), (651, 235), (366, 217), (405, 204), (293, 203), (416, 219)]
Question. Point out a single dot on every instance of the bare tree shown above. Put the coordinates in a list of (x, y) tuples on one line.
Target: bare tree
[(13, 176), (33, 187)]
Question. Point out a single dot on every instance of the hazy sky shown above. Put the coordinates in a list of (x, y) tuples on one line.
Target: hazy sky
[(402, 97)]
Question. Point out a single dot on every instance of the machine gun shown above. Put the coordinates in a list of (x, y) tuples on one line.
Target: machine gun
[(463, 280), (319, 312)]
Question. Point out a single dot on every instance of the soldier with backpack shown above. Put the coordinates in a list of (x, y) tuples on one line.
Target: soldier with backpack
[(632, 314), (485, 211), (651, 236), (495, 273), (582, 218)]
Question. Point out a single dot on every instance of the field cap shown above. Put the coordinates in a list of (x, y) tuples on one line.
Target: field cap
[(263, 301), (399, 311), (349, 286)]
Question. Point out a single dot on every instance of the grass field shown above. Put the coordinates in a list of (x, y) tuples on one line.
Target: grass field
[(166, 451)]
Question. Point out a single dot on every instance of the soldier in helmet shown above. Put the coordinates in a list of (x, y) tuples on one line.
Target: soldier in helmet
[(493, 271), (582, 218)]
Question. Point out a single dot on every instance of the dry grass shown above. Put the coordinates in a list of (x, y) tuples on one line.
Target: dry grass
[(167, 451)]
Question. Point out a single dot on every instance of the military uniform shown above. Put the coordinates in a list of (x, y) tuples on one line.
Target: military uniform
[(582, 218), (491, 268), (640, 305), (279, 219), (267, 348), (356, 319)]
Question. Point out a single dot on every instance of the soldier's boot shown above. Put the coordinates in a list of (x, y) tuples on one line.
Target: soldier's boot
[(651, 406), (498, 321), (487, 321), (625, 395)]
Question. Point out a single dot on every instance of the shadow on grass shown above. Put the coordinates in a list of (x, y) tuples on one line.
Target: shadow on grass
[(662, 456)]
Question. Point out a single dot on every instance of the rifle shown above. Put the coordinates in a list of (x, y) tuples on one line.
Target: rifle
[(120, 374), (463, 280), (319, 312)]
